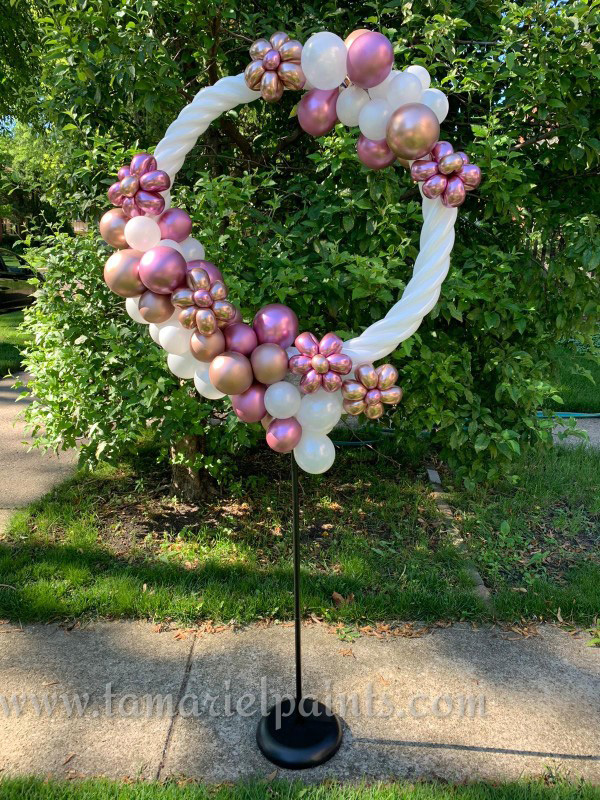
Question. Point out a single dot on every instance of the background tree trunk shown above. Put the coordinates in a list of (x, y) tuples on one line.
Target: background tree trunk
[(186, 482)]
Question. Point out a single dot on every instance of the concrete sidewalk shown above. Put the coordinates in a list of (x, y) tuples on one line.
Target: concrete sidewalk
[(26, 476), (455, 704)]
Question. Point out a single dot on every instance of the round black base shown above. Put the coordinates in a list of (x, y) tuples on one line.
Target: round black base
[(299, 738)]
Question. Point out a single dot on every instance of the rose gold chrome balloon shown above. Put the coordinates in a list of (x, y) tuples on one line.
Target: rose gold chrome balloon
[(374, 153), (352, 37), (455, 192), (413, 129), (372, 397), (155, 307), (253, 74), (150, 203), (291, 75), (205, 348), (300, 364), (259, 49), (388, 375), (130, 208), (331, 381), (129, 186), (197, 278), (375, 411), (271, 88), (307, 343), (182, 298), (441, 149), (278, 39), (121, 273), (142, 162), (470, 175), (155, 181), (206, 322), (319, 363), (231, 373), (187, 317), (450, 163), (266, 421), (422, 170), (271, 60), (330, 343), (464, 156), (367, 375), (112, 227), (310, 382), (218, 290), (354, 407), (284, 434), (340, 362), (353, 390), (435, 186), (269, 362), (250, 405), (316, 111), (291, 50), (202, 298), (115, 195), (240, 337), (162, 269), (223, 310), (392, 395), (123, 172)]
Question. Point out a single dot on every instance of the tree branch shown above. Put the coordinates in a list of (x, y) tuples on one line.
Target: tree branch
[(541, 136)]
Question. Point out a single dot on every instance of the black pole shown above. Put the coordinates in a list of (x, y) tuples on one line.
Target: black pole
[(296, 546)]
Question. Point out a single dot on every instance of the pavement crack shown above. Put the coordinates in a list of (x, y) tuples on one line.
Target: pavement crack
[(182, 690)]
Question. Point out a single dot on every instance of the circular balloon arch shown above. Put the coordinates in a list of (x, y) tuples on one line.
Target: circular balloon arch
[(296, 384)]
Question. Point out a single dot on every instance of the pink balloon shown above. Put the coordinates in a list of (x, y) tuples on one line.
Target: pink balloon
[(284, 434), (250, 406), (240, 338), (374, 153), (162, 269), (317, 111), (370, 59), (213, 272), (276, 323), (175, 224)]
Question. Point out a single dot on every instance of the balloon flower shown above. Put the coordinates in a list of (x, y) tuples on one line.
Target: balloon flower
[(321, 363), (371, 389), (447, 174), (138, 189), (275, 66), (202, 302)]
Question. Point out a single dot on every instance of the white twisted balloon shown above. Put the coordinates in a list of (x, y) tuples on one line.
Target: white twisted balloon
[(437, 234)]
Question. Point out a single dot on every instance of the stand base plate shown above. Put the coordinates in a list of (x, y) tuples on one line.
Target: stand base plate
[(299, 738)]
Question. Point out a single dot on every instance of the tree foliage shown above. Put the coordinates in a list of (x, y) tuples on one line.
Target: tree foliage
[(297, 220)]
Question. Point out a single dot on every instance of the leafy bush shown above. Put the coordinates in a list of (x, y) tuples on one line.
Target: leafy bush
[(300, 221)]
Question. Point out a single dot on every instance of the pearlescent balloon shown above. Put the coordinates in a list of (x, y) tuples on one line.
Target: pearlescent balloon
[(373, 119), (349, 105), (175, 339), (269, 363), (380, 92), (282, 400), (404, 88), (205, 348), (171, 243), (374, 154), (182, 366), (320, 411), (175, 224), (323, 60), (121, 273), (155, 308), (276, 323), (240, 338), (231, 373), (162, 269), (142, 233), (112, 227), (317, 111), (370, 59), (421, 74), (412, 131), (315, 452), (284, 434), (250, 405), (437, 102), (206, 389), (191, 249), (132, 308)]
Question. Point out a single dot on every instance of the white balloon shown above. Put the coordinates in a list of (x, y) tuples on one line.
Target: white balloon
[(436, 101), (171, 243), (314, 453), (282, 400), (206, 389), (202, 368), (142, 233), (191, 249), (421, 74), (182, 366), (153, 330), (132, 308), (349, 104), (320, 410), (405, 88), (323, 60), (155, 327), (380, 91), (373, 119), (174, 338)]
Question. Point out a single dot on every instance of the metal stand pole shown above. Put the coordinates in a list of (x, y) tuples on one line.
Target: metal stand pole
[(298, 733)]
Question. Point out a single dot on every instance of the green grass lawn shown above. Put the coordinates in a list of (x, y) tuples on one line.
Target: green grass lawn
[(113, 544), (11, 340), (578, 392), (537, 544), (37, 789)]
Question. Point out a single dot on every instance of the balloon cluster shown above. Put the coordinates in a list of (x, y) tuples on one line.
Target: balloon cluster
[(446, 174), (139, 186), (275, 66), (320, 363), (371, 389), (202, 302)]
